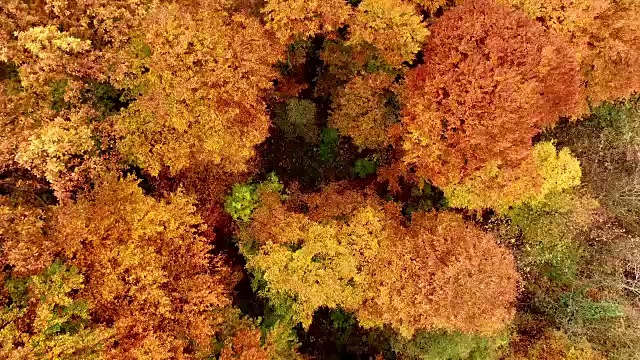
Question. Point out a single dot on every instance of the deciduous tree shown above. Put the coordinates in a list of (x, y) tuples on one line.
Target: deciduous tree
[(45, 319), (606, 37), (359, 110), (60, 50), (319, 263), (201, 96), (491, 80), (545, 171), (148, 268), (293, 19), (392, 26), (444, 274), (351, 249)]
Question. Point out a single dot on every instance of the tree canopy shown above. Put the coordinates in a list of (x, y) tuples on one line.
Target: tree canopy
[(320, 179)]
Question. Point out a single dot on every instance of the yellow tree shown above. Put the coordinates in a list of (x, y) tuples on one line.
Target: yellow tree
[(319, 263), (353, 250), (295, 19), (392, 26), (545, 171), (200, 99), (16, 117), (556, 345), (45, 319), (63, 150), (23, 241)]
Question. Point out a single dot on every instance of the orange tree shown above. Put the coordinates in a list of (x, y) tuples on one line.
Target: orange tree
[(491, 80), (200, 100), (606, 38), (147, 269), (57, 59)]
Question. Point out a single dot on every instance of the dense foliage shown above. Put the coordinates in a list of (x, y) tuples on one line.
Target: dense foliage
[(320, 179)]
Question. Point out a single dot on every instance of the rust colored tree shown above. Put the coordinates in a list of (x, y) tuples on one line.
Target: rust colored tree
[(491, 80), (606, 37), (443, 274)]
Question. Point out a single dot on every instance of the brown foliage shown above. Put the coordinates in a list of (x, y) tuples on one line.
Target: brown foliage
[(344, 62), (23, 240), (556, 345), (492, 79)]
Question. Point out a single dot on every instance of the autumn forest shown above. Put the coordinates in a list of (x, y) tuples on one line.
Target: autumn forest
[(320, 179)]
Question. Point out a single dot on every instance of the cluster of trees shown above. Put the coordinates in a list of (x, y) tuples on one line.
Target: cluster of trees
[(325, 179)]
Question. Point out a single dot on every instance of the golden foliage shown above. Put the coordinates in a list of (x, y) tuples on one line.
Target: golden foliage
[(200, 100), (392, 26), (482, 93), (352, 250), (606, 37), (57, 148), (556, 345), (95, 32), (149, 272), (51, 323), (148, 255), (47, 42), (59, 49), (317, 262), (300, 19), (545, 171), (359, 110)]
